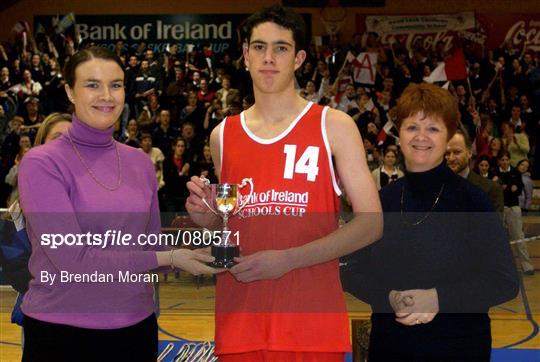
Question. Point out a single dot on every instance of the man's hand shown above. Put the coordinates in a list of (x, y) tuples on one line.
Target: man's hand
[(267, 264), (198, 211), (194, 202)]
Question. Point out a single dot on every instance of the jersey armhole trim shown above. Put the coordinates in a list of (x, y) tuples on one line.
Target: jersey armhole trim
[(337, 190)]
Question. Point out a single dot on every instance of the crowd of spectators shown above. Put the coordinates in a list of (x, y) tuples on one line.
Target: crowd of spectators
[(174, 100)]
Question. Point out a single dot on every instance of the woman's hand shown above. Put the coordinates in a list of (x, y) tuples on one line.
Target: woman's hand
[(193, 261), (398, 300), (418, 306)]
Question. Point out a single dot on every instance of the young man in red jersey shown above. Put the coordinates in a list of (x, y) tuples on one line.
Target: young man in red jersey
[(283, 300)]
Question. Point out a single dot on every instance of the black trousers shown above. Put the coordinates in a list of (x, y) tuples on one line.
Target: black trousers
[(49, 342)]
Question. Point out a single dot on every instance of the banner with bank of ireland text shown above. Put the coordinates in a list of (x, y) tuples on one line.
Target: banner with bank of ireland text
[(222, 32), (484, 30)]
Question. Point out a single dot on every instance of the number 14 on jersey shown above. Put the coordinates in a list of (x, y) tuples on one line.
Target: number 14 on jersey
[(306, 164)]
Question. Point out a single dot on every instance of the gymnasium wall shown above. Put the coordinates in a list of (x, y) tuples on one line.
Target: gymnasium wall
[(26, 9)]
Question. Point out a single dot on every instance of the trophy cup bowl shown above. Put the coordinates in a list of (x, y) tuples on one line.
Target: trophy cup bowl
[(224, 201)]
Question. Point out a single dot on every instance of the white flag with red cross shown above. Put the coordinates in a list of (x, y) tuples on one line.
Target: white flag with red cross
[(364, 67)]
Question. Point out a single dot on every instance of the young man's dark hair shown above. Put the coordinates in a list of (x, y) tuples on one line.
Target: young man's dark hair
[(283, 17)]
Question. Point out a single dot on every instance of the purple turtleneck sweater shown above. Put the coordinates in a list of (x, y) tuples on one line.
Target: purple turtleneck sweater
[(59, 195)]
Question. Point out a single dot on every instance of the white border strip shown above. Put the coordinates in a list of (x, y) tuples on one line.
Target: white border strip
[(269, 141), (337, 190), (221, 131)]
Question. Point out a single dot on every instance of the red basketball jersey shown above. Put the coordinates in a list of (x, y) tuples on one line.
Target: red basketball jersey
[(295, 201)]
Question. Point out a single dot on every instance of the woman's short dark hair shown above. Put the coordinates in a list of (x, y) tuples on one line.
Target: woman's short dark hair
[(284, 17), (85, 55)]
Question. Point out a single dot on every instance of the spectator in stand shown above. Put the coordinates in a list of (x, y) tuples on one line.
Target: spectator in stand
[(193, 112), (29, 87), (10, 146), (510, 180), (234, 108), (363, 112), (32, 116), (525, 198), (347, 101), (205, 166), (483, 135), (204, 95), (145, 84), (164, 134), (5, 81), (56, 99), (458, 158), (495, 147), (515, 143), (384, 103), (388, 172), (176, 171), (37, 69), (131, 72), (16, 71), (483, 167), (148, 118), (214, 115), (193, 142), (153, 67), (226, 94), (156, 156), (518, 124), (131, 135), (120, 49), (3, 124), (528, 117), (305, 74), (176, 94), (310, 92), (195, 79), (369, 146), (52, 127), (11, 177), (494, 111)]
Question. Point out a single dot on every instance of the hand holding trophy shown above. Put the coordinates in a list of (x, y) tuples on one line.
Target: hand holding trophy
[(224, 200)]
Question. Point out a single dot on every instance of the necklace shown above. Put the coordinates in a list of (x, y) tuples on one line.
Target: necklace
[(425, 216), (110, 188)]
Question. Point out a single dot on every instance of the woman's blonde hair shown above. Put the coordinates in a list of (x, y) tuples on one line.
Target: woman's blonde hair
[(48, 124)]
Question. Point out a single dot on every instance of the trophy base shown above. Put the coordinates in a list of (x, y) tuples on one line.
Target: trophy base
[(224, 256)]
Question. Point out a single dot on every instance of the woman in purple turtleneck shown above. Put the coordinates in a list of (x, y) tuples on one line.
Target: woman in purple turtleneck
[(89, 301)]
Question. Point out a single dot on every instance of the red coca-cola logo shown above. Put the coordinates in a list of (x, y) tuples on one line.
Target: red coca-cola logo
[(427, 41)]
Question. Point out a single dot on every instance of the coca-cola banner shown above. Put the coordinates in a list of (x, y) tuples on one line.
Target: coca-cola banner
[(517, 28), (488, 30), (406, 24)]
